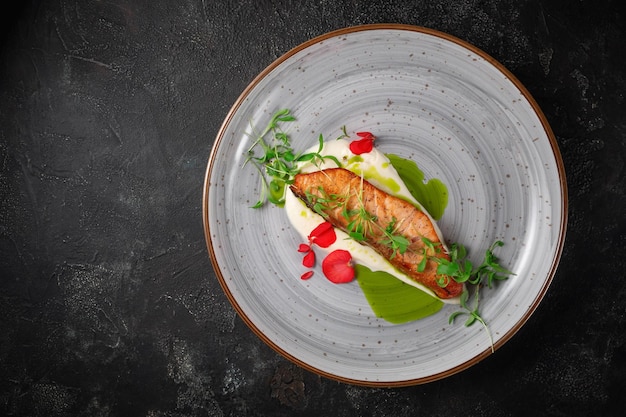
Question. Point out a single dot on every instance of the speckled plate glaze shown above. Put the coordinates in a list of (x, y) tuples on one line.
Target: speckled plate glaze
[(464, 119)]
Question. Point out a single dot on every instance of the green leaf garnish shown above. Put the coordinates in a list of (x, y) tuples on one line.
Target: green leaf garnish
[(277, 162), (461, 270)]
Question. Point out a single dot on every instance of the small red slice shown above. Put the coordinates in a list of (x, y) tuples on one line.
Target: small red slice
[(337, 266), (358, 147), (365, 135), (363, 145), (309, 259), (323, 235), (304, 248), (306, 275)]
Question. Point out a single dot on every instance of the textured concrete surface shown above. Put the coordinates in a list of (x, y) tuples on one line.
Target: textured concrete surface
[(108, 302)]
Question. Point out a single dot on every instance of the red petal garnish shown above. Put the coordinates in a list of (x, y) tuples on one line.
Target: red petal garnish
[(304, 247), (367, 135), (323, 235), (309, 259), (337, 266), (307, 275), (360, 146)]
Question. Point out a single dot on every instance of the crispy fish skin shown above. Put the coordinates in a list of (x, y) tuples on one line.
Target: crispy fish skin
[(338, 194)]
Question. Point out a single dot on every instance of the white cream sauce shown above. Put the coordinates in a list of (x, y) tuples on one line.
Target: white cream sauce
[(376, 168)]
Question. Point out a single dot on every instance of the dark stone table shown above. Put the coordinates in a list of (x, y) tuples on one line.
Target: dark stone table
[(109, 305)]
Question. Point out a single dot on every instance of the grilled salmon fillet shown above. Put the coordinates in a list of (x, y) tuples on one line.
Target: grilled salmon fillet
[(349, 202)]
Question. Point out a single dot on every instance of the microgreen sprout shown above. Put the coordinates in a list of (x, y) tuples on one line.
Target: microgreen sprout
[(277, 163), (460, 269), (395, 241), (471, 312), (360, 220)]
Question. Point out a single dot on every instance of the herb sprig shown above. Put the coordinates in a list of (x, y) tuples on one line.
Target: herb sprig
[(277, 162), (460, 269)]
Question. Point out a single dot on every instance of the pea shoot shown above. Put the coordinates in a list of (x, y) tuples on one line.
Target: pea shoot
[(277, 162), (460, 269), (395, 241)]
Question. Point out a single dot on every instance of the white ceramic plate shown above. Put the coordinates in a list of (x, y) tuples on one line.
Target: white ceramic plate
[(464, 119)]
